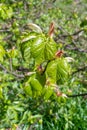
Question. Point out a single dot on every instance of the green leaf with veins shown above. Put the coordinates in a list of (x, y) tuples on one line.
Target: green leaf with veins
[(26, 44), (58, 70), (39, 47), (43, 48)]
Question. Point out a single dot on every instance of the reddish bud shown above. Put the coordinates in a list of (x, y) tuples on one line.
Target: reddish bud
[(59, 93), (59, 53), (39, 68), (48, 82), (13, 47)]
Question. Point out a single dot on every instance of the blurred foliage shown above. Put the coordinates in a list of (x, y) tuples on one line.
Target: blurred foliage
[(33, 84)]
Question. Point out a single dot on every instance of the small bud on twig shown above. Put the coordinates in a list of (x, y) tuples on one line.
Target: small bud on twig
[(51, 30)]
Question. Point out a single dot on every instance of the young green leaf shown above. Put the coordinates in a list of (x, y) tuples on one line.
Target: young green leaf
[(47, 92), (28, 90), (26, 44), (41, 78), (58, 70), (43, 48), (35, 84), (38, 46)]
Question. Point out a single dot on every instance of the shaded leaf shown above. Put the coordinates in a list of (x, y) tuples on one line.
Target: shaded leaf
[(41, 78), (28, 90), (35, 84), (47, 92), (35, 27), (2, 53)]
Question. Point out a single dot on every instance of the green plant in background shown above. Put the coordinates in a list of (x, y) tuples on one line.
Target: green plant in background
[(6, 12)]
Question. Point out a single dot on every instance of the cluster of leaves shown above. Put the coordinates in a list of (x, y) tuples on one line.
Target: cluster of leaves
[(34, 76), (49, 69)]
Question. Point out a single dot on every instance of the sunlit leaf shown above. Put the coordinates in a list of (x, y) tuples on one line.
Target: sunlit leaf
[(58, 70)]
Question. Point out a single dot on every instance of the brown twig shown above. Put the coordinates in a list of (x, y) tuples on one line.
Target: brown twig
[(80, 69), (10, 63), (10, 72), (14, 73), (2, 30), (77, 95), (74, 34)]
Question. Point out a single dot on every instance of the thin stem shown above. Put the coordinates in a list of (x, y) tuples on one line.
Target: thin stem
[(10, 72), (80, 69), (77, 95), (10, 61)]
